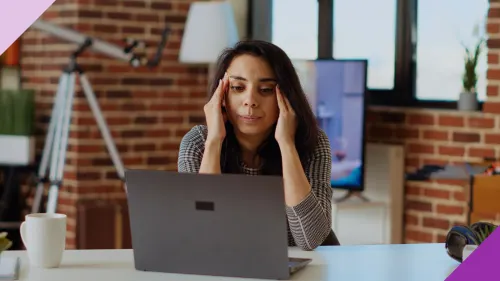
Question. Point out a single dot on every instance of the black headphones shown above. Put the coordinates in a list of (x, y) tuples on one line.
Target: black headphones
[(459, 236)]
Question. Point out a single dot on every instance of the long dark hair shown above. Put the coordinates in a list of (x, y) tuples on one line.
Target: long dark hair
[(307, 131)]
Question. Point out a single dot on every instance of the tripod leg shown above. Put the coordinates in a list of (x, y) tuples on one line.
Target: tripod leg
[(89, 93), (43, 168), (60, 145)]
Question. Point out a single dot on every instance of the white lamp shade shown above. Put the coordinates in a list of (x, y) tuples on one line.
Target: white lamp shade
[(209, 29)]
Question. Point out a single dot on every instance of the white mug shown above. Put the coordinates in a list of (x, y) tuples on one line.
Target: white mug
[(44, 236)]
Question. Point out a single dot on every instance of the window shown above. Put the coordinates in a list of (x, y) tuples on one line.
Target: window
[(442, 27), (366, 29), (295, 27), (414, 48)]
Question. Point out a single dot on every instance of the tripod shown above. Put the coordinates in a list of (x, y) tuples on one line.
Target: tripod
[(56, 141)]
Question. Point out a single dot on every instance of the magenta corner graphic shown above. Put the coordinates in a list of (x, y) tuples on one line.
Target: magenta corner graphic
[(18, 15), (481, 264)]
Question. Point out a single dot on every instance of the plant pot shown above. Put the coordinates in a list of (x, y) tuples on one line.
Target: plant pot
[(17, 150), (468, 102), (468, 249)]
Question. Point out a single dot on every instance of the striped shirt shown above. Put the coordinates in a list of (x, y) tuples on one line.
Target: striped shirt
[(309, 222)]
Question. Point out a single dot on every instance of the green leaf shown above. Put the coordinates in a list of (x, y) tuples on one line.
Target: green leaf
[(484, 233), (469, 78), (5, 243)]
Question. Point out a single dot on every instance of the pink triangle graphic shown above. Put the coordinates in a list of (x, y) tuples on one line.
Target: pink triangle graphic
[(18, 15), (482, 264)]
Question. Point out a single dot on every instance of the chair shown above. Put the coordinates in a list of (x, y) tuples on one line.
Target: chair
[(331, 240)]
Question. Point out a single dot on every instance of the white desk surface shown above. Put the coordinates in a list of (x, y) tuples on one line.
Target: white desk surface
[(409, 262)]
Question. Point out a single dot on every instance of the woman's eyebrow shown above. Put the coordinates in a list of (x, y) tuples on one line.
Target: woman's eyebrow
[(261, 79), (267, 80)]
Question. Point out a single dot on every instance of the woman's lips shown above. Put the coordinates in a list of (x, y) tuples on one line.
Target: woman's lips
[(249, 118)]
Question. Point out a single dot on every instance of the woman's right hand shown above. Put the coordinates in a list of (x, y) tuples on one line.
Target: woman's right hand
[(213, 113)]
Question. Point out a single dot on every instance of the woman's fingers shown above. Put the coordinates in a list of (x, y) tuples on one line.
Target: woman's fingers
[(225, 83), (216, 95), (285, 101), (281, 102), (220, 91), (288, 105)]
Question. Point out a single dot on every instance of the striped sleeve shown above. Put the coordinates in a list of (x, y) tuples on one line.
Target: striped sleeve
[(311, 220), (191, 150)]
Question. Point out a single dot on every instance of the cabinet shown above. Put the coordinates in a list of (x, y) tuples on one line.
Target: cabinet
[(380, 219), (484, 199), (362, 223)]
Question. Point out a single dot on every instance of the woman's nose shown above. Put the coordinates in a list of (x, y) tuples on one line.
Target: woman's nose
[(250, 103), (250, 100)]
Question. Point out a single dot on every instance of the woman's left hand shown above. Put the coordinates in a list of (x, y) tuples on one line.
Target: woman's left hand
[(287, 122)]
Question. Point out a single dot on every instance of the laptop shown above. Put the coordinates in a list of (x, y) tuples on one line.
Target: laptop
[(218, 225)]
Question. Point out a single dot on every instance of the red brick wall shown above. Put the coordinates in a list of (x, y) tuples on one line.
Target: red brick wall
[(148, 111), (493, 28), (436, 137)]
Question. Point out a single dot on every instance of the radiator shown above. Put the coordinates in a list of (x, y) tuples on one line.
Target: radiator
[(103, 224)]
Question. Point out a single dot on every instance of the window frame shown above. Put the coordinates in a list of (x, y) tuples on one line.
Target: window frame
[(403, 93)]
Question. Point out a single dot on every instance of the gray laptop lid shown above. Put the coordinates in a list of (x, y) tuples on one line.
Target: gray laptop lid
[(220, 225)]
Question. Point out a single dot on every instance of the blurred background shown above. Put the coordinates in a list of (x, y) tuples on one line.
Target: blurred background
[(420, 104)]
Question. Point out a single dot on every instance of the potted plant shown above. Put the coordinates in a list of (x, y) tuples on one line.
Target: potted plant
[(481, 233), (17, 108), (468, 100)]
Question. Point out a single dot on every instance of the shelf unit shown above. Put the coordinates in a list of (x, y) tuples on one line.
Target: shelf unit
[(380, 219)]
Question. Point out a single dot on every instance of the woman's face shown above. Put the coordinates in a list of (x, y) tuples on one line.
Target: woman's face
[(251, 98)]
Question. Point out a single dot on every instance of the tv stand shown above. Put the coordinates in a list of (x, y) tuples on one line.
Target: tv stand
[(375, 216), (351, 194)]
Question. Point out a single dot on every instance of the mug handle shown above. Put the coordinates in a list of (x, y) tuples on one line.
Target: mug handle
[(22, 230)]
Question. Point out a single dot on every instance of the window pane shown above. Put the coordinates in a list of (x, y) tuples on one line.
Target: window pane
[(442, 27), (366, 29), (295, 27)]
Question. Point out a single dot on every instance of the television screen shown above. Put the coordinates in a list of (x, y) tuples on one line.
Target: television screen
[(336, 90)]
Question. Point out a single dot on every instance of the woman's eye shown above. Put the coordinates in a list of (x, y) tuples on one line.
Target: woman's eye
[(267, 90), (237, 88)]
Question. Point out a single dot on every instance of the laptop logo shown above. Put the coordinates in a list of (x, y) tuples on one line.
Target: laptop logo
[(204, 206)]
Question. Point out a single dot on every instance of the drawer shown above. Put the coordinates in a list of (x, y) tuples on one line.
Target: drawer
[(485, 217), (485, 194)]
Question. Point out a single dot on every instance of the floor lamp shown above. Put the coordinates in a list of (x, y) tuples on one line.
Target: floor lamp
[(209, 29)]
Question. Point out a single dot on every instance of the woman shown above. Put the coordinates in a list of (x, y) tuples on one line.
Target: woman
[(259, 122)]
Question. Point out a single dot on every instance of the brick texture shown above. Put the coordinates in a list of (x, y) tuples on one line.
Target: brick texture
[(148, 111), (438, 137), (493, 24)]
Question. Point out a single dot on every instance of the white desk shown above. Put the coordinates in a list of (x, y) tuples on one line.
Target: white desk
[(410, 262)]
